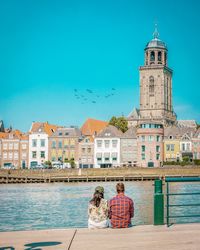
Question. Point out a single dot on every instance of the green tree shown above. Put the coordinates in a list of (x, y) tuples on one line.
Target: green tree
[(119, 122), (48, 163)]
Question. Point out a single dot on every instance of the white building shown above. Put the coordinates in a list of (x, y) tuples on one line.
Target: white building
[(107, 148), (38, 142)]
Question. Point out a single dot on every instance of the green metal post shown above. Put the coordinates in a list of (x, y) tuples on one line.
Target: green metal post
[(158, 203)]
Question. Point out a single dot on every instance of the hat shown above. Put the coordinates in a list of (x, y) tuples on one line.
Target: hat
[(99, 189)]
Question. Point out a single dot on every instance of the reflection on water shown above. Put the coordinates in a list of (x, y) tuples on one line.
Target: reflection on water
[(61, 205)]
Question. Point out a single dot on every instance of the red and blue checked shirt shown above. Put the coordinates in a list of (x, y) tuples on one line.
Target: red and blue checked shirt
[(121, 210)]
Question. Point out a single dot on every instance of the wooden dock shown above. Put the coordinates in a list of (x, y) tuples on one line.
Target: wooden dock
[(176, 237)]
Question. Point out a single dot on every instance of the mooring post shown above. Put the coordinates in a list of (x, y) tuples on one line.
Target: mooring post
[(158, 203)]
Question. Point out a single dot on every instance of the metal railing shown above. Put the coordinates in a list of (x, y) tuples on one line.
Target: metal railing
[(169, 180)]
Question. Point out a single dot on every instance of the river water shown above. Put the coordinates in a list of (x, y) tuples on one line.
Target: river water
[(64, 205)]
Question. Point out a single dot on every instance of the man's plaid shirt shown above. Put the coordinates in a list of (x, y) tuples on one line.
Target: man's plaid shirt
[(121, 211)]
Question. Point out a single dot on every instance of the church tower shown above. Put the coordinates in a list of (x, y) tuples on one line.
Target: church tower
[(156, 84)]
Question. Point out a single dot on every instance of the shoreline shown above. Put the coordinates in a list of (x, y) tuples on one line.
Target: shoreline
[(95, 175)]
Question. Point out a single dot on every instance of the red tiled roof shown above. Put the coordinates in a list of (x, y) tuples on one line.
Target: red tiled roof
[(92, 127)]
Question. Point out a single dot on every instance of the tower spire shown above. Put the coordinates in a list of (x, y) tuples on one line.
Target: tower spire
[(156, 33)]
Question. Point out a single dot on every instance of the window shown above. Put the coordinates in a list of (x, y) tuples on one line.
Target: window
[(99, 143), (172, 147), (107, 143), (99, 159), (143, 156), (5, 155), (152, 56), (53, 158), (23, 146), (143, 148), (188, 146), (114, 143), (183, 147), (157, 156), (5, 146), (42, 154), (157, 148), (157, 138), (142, 138), (42, 142), (34, 154), (10, 146), (16, 155), (168, 147), (10, 155), (23, 155), (107, 159), (60, 144), (83, 150), (150, 138), (53, 145), (89, 150), (114, 158), (151, 86), (159, 56), (60, 133), (34, 143), (16, 145), (66, 133)]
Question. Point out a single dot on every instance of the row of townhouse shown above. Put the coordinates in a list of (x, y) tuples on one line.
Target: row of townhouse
[(99, 145)]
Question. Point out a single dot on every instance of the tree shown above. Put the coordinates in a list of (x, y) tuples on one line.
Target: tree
[(119, 122)]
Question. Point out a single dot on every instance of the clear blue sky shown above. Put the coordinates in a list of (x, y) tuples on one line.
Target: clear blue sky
[(51, 50)]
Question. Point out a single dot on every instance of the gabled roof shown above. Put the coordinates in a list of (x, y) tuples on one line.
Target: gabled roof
[(134, 115), (186, 123), (130, 133), (43, 127), (14, 134), (92, 127), (197, 133), (178, 132), (67, 132), (110, 131)]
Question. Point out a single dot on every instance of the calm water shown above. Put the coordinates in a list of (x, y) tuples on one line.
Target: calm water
[(62, 205)]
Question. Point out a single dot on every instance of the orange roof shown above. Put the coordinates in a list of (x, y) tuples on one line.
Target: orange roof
[(16, 134), (45, 126), (3, 135), (92, 127)]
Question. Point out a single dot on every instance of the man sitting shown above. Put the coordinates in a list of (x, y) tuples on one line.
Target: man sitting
[(121, 209)]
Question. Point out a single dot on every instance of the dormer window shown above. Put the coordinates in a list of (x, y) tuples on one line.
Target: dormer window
[(107, 134)]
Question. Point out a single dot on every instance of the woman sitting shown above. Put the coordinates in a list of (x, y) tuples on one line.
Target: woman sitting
[(98, 210)]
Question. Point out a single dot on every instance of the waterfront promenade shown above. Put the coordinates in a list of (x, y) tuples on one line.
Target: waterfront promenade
[(92, 175), (148, 237)]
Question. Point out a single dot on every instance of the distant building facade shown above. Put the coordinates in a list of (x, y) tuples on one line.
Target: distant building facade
[(38, 142), (107, 147), (14, 149), (63, 144), (128, 147), (86, 152), (196, 145), (150, 144)]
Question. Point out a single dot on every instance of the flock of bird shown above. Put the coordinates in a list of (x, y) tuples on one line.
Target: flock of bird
[(91, 96)]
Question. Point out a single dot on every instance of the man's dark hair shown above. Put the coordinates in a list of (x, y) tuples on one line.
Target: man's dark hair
[(120, 187)]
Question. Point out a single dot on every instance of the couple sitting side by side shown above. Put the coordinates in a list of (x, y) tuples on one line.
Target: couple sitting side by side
[(119, 209)]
